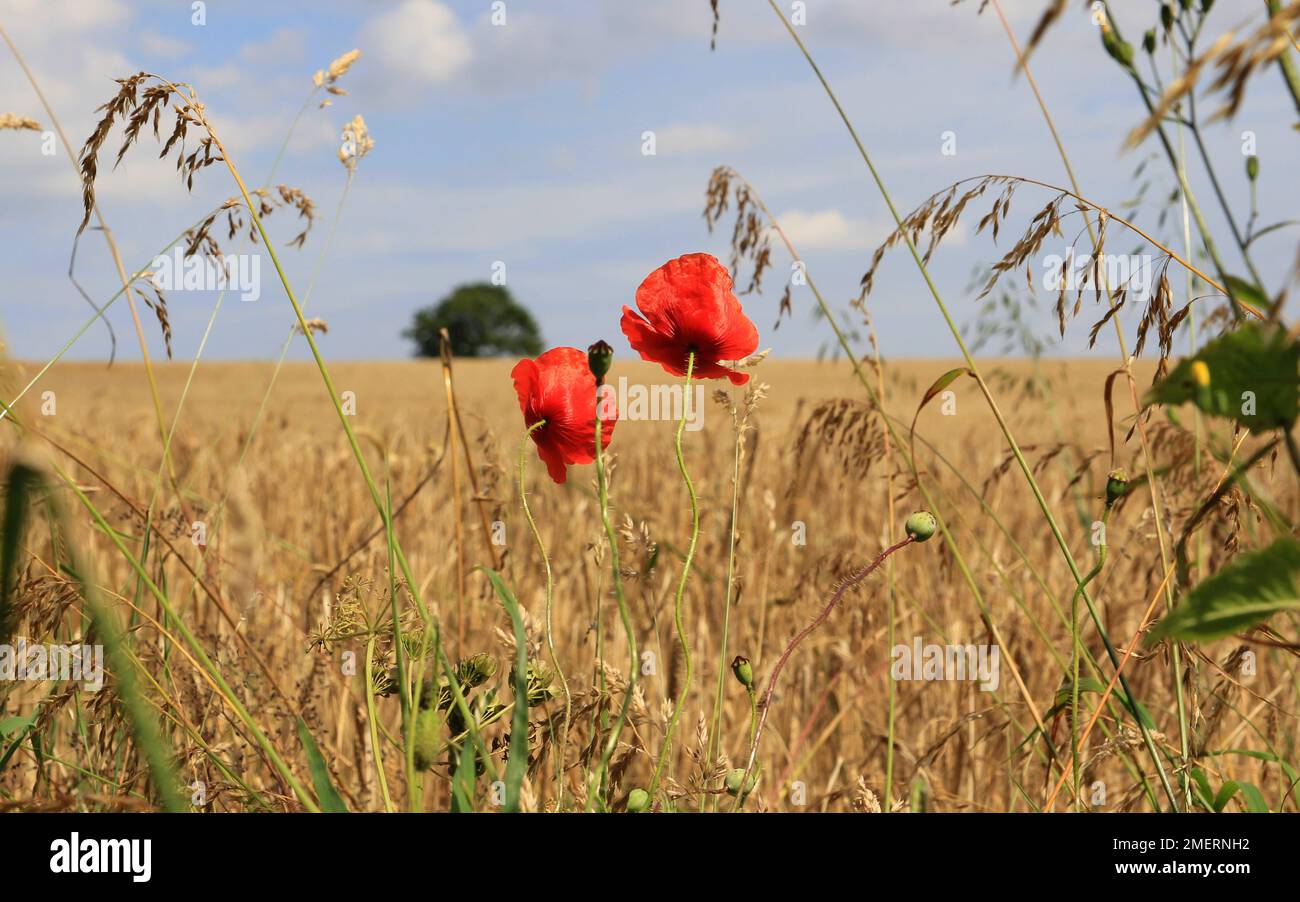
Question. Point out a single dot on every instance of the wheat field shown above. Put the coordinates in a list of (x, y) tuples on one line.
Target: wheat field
[(297, 533)]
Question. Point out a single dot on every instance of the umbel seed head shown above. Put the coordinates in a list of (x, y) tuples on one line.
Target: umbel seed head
[(921, 525), (744, 671), (638, 800), (599, 357)]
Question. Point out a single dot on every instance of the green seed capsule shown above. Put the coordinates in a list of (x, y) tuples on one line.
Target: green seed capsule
[(1149, 41), (744, 671), (1116, 486), (1252, 167), (426, 738), (1166, 16), (921, 525), (734, 776), (638, 800)]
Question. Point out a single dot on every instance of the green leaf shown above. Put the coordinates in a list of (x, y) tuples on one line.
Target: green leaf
[(1091, 684), (11, 725), (326, 794), (1247, 591), (518, 763), (1255, 802), (1248, 376), (462, 782), (1248, 292), (1224, 796), (1204, 792)]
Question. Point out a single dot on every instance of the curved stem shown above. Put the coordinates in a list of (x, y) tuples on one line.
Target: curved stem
[(681, 583), (550, 591), (845, 584), (597, 783)]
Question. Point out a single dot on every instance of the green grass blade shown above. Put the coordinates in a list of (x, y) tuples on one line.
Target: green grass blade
[(326, 794)]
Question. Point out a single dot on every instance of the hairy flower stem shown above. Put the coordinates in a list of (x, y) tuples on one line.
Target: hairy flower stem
[(678, 620), (1076, 645), (550, 591), (848, 582), (597, 783), (1014, 446)]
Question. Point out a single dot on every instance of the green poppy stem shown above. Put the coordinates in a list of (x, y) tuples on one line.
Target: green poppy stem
[(678, 612)]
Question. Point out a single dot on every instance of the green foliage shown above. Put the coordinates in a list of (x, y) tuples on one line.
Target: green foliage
[(1245, 592), (483, 320), (328, 796), (1255, 358)]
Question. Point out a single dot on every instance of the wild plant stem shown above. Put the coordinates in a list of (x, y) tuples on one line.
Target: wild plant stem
[(458, 695), (848, 582), (596, 786), (877, 398), (715, 725), (678, 614), (373, 720), (550, 591), (1048, 517), (1076, 645)]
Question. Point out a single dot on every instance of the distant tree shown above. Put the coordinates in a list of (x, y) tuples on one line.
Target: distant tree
[(483, 321)]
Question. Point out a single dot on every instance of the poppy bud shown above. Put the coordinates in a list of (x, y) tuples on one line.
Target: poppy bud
[(599, 357), (638, 800), (1252, 167), (744, 671), (921, 525), (1116, 486), (1120, 50), (734, 776)]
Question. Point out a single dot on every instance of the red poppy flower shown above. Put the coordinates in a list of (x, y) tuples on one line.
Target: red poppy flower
[(687, 305), (558, 387)]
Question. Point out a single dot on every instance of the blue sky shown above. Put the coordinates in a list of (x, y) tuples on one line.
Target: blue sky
[(521, 143)]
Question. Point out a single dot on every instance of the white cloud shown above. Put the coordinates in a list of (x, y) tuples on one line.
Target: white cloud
[(161, 46), (420, 40), (829, 230), (685, 139)]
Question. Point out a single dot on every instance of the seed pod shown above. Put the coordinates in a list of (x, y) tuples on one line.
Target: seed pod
[(734, 776), (1252, 167), (744, 671), (475, 671), (1116, 486), (1205, 5), (599, 357), (921, 525), (1149, 41), (638, 800), (1166, 16), (1120, 50), (426, 738)]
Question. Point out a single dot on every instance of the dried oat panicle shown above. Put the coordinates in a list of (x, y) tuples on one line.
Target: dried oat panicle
[(356, 143), (326, 78), (14, 122)]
